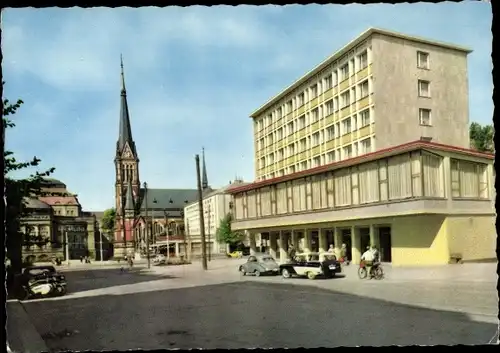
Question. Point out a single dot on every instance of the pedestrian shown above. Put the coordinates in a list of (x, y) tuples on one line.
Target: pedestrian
[(130, 263), (292, 252), (81, 259), (343, 253)]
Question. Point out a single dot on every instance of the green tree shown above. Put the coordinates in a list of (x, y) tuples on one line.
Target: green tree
[(16, 192), (108, 220), (481, 137), (224, 233)]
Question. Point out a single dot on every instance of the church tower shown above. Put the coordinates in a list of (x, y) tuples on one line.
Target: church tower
[(127, 182)]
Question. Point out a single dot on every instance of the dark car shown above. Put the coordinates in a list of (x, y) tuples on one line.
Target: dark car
[(311, 265), (43, 272), (260, 264)]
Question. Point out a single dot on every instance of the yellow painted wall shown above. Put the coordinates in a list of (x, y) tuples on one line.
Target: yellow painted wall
[(419, 240), (473, 237)]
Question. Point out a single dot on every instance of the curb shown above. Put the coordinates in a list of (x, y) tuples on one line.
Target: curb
[(22, 334)]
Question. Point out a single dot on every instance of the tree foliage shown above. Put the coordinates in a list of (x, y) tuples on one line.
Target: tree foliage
[(481, 137), (224, 233), (108, 220), (16, 192)]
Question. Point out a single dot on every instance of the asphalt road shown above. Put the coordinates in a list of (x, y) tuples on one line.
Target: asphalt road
[(242, 314)]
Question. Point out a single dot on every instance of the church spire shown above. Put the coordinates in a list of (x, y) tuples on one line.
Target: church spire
[(204, 180), (125, 131)]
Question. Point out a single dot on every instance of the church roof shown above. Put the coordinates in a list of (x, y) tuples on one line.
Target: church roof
[(169, 198)]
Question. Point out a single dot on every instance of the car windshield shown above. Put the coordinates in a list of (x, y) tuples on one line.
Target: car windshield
[(267, 259), (39, 271)]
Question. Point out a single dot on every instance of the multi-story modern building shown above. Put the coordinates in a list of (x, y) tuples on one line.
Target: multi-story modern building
[(216, 205), (380, 90)]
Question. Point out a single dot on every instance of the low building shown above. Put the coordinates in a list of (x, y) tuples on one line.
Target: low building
[(421, 203), (55, 219), (216, 205)]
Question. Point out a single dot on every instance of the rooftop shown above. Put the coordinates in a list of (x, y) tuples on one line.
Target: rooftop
[(352, 44)]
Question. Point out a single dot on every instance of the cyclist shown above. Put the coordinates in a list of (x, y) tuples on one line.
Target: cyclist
[(368, 257)]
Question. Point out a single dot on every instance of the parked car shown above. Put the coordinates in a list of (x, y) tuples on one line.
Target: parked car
[(259, 264), (42, 281), (159, 259), (311, 265), (42, 272)]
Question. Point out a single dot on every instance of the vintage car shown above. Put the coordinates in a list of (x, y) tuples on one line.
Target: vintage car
[(235, 254), (311, 265), (159, 259), (42, 272), (259, 264)]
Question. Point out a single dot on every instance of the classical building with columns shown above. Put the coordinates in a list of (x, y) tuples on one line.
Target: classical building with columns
[(420, 203)]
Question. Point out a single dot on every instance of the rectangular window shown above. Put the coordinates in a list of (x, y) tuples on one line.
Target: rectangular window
[(336, 103), (366, 145), (281, 172), (328, 82), (279, 112), (330, 131), (314, 91), (348, 151), (425, 117), (303, 145), (314, 115), (363, 60), (302, 122), (329, 107), (424, 88), (271, 158), (316, 162), (363, 89), (281, 154), (422, 60), (346, 126), (291, 169), (330, 157), (262, 162), (469, 179), (261, 143), (315, 139), (270, 139), (300, 98), (291, 150), (345, 99), (289, 106), (290, 128), (368, 175), (344, 72), (279, 134), (303, 165), (364, 117)]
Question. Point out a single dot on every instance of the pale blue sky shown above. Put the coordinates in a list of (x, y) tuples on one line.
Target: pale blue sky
[(193, 77)]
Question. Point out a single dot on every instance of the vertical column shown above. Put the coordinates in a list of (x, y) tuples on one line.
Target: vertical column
[(282, 247), (176, 249), (295, 239), (307, 241), (337, 239), (253, 245), (374, 239), (356, 245), (272, 245), (322, 240)]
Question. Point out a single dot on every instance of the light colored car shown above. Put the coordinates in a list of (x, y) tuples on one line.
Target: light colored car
[(159, 259), (311, 265), (259, 264)]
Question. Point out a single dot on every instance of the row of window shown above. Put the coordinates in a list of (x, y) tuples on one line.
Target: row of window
[(343, 127), (349, 151), (340, 74)]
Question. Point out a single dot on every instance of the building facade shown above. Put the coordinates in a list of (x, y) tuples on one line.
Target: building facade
[(216, 205), (55, 220), (420, 203), (382, 89), (142, 211)]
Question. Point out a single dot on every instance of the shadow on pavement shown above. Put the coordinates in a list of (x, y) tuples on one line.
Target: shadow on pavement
[(80, 280), (245, 315)]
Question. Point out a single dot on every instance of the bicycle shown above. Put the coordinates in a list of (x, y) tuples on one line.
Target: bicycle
[(376, 271)]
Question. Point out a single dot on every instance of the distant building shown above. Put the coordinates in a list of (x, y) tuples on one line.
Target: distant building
[(216, 205), (50, 218), (141, 210)]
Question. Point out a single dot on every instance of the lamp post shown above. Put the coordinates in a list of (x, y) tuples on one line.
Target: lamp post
[(146, 220), (67, 245), (165, 214)]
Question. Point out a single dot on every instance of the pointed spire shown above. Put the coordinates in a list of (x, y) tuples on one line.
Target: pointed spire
[(204, 179), (125, 131), (129, 201)]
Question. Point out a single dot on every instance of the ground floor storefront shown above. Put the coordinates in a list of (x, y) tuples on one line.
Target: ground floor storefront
[(421, 239)]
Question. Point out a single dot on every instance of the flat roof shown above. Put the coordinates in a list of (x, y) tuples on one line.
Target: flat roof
[(386, 152), (363, 36)]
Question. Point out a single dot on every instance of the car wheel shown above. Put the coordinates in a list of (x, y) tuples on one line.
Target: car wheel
[(285, 273), (311, 275), (242, 271), (256, 273)]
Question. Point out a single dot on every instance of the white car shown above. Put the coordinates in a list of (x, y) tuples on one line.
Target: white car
[(160, 259)]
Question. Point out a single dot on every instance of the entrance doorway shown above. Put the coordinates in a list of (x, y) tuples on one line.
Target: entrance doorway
[(314, 241), (346, 239), (364, 234), (385, 244), (330, 239)]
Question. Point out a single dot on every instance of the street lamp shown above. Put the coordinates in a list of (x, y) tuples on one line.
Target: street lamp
[(146, 220)]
